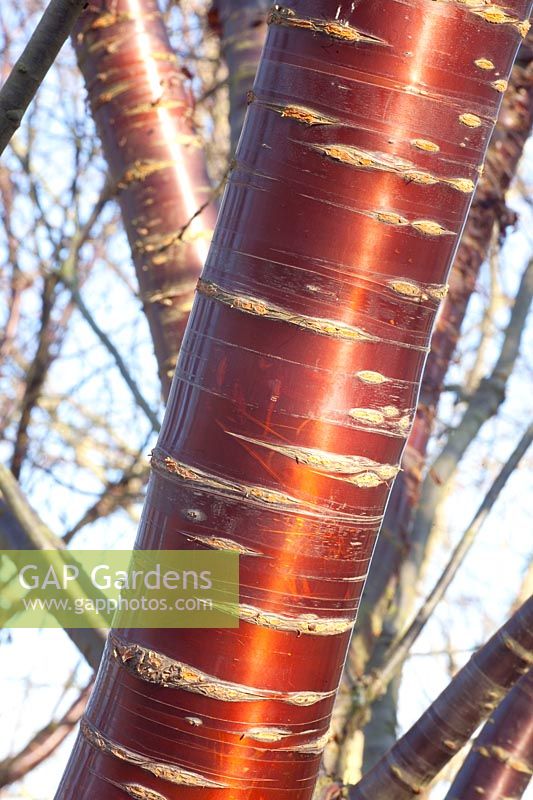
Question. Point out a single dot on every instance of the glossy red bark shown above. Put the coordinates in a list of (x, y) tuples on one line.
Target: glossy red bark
[(295, 389), (505, 150), (143, 112)]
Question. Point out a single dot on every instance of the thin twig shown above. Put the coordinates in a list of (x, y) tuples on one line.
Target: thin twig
[(400, 649), (119, 361), (44, 742)]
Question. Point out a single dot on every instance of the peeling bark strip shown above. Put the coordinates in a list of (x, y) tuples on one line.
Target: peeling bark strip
[(454, 716), (336, 329), (137, 790), (143, 114), (165, 771), (304, 115), (356, 469), (309, 624), (161, 670), (497, 16), (289, 248), (429, 227), (260, 308), (332, 28), (364, 159), (307, 116), (248, 494)]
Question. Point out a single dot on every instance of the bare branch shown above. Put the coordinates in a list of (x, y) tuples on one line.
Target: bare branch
[(399, 650), (500, 763), (115, 495), (113, 351), (50, 335), (39, 54), (418, 757), (484, 404), (36, 374), (26, 531)]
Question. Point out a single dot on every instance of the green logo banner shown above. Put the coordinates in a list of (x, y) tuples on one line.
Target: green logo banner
[(120, 588)]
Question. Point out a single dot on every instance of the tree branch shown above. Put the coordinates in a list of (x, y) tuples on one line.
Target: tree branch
[(399, 650), (113, 351), (39, 54), (45, 742), (500, 763), (484, 404), (418, 757), (22, 529)]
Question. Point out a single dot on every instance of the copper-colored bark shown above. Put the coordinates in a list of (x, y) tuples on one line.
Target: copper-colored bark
[(506, 147), (295, 390), (500, 763), (143, 113)]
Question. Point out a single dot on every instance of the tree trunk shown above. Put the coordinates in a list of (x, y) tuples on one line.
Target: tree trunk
[(143, 113), (418, 757), (295, 390), (242, 27), (500, 763), (381, 616), (507, 144)]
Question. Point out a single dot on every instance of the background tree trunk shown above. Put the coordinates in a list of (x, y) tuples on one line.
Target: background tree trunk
[(242, 27), (144, 115)]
